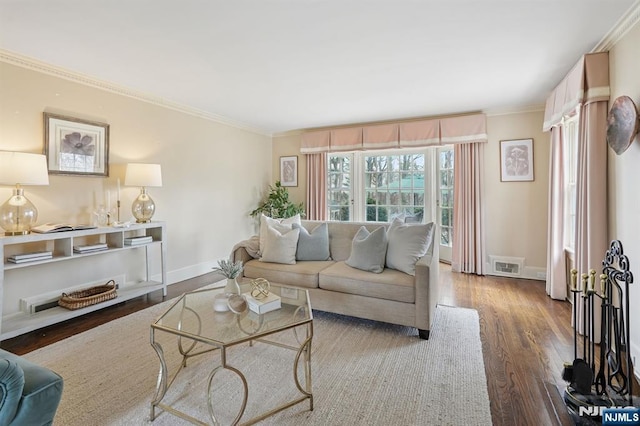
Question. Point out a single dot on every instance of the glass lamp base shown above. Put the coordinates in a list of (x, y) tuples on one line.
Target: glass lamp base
[(143, 207), (17, 214)]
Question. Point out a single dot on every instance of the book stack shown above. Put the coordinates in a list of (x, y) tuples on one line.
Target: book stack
[(134, 241), (90, 248), (30, 257), (261, 306)]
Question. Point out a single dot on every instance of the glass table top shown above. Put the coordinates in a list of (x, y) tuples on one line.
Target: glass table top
[(193, 316)]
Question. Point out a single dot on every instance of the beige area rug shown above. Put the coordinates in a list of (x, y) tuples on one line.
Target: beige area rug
[(363, 373)]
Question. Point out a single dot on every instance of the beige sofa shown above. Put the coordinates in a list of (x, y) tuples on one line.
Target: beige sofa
[(391, 296)]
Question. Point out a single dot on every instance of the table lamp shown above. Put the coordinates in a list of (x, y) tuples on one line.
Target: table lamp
[(143, 175), (18, 214)]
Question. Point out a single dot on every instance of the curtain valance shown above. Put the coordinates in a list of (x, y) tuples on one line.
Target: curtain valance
[(438, 131), (420, 133), (588, 81)]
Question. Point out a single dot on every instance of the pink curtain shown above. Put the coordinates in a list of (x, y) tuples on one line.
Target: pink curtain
[(420, 133), (591, 204), (380, 136), (556, 278), (463, 129), (468, 252), (315, 142), (346, 139), (585, 87), (317, 186)]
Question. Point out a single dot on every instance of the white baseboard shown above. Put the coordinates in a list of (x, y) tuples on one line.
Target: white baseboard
[(635, 350), (188, 272)]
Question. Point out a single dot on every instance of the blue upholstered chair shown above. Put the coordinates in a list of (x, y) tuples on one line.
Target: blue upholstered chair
[(29, 394)]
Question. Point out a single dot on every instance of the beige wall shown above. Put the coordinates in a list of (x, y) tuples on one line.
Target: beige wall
[(516, 212), (623, 173), (285, 146), (213, 174), (516, 222)]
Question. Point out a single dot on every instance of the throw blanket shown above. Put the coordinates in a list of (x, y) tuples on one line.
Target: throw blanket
[(252, 245)]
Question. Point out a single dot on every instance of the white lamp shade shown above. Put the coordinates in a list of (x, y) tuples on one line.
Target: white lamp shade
[(23, 168), (139, 174)]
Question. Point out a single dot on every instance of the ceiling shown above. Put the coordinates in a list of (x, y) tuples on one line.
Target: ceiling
[(280, 65)]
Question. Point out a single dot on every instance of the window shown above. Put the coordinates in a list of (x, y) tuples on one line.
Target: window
[(570, 146), (376, 186), (339, 198), (445, 195), (394, 185)]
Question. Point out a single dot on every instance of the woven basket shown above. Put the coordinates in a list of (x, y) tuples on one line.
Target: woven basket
[(89, 296)]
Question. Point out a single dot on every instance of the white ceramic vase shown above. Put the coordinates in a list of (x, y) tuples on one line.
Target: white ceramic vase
[(232, 286)]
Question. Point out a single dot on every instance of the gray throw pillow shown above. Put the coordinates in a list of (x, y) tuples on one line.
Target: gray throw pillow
[(368, 250), (313, 245), (407, 243)]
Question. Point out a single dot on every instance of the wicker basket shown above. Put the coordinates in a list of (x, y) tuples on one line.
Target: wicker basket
[(89, 296)]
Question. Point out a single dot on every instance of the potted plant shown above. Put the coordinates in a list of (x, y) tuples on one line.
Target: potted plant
[(230, 270), (277, 205)]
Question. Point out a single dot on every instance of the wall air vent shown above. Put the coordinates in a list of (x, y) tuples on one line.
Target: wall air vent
[(506, 266)]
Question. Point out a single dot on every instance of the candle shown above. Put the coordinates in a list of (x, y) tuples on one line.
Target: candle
[(118, 189), (108, 200)]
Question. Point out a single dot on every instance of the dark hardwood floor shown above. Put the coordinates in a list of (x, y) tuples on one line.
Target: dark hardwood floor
[(526, 337)]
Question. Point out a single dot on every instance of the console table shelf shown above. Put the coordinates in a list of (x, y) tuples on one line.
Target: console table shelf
[(14, 322)]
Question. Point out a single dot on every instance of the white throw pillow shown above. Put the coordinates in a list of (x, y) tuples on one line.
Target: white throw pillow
[(368, 250), (282, 225), (279, 247), (407, 243)]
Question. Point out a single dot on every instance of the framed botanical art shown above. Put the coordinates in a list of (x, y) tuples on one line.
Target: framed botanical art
[(516, 160), (76, 147), (289, 171)]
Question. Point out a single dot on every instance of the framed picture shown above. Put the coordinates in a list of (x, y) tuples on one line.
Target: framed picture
[(76, 147), (516, 160), (289, 171)]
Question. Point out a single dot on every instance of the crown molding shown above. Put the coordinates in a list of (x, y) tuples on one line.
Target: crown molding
[(515, 110), (624, 24), (42, 67)]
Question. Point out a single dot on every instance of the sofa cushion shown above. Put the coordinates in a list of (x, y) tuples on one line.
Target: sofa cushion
[(390, 284), (280, 247), (313, 245), (407, 243), (11, 385), (302, 274), (368, 250), (282, 225)]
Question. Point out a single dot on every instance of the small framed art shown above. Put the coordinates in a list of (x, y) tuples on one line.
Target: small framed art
[(76, 147), (516, 160), (289, 171)]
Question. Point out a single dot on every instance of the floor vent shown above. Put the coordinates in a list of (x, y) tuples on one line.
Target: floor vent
[(42, 302), (44, 306), (507, 266)]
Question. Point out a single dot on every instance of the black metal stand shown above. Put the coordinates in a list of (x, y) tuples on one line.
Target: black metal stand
[(589, 391)]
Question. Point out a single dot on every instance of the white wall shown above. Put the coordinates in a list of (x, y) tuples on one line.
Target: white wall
[(623, 173), (213, 174)]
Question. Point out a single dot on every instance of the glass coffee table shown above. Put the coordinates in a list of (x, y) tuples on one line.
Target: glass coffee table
[(200, 330)]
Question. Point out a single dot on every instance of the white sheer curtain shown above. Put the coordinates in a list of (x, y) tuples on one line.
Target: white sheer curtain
[(468, 251)]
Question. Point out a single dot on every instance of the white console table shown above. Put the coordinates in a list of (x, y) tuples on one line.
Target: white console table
[(45, 280)]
